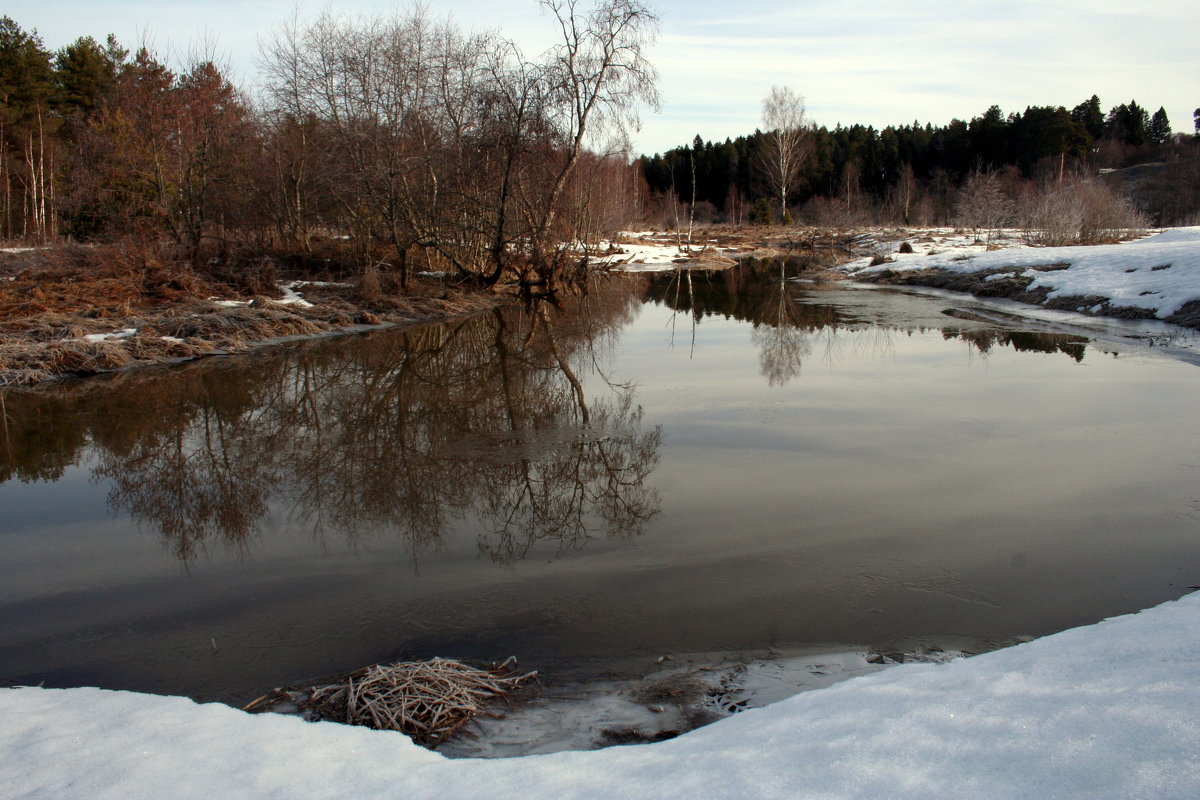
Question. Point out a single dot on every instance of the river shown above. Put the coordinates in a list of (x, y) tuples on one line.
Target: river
[(680, 463)]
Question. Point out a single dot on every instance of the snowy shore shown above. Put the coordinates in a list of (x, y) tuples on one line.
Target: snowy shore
[(1156, 277), (1103, 711)]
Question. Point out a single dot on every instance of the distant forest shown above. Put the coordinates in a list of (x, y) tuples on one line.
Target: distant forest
[(914, 173)]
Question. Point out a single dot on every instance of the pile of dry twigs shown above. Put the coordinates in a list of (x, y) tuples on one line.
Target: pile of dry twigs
[(426, 700)]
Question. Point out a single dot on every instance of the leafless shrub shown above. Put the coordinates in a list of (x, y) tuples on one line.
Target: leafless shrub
[(1080, 212), (983, 204)]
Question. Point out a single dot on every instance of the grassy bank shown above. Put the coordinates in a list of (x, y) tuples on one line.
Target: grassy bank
[(76, 311)]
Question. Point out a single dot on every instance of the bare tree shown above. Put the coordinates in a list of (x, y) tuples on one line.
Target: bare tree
[(982, 203), (600, 75), (456, 145), (787, 142)]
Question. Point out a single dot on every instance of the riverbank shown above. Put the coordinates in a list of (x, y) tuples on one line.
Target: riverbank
[(62, 315), (66, 313), (75, 311), (1102, 711), (1156, 277)]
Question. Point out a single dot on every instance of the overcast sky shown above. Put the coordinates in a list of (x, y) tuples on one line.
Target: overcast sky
[(855, 61)]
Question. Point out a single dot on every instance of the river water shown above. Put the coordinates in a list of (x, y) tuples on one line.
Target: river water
[(691, 462)]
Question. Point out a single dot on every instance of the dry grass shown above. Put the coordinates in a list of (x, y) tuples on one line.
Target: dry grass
[(426, 700), (51, 299)]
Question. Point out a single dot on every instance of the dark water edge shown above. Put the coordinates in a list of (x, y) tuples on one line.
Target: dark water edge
[(715, 462)]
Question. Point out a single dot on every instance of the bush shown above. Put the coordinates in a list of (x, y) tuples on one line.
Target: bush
[(761, 213), (1083, 212)]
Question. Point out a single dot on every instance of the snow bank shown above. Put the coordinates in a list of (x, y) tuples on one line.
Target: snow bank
[(1160, 273), (1105, 711)]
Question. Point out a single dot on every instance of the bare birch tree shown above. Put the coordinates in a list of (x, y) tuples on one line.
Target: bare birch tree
[(600, 76), (787, 143)]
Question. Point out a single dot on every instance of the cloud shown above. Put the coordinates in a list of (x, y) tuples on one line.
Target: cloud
[(856, 61)]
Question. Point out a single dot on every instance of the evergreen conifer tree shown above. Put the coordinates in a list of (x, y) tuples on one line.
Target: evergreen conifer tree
[(1089, 115), (84, 73), (1160, 127)]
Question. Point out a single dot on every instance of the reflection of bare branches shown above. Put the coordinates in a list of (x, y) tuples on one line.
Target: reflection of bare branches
[(782, 343), (483, 424), (788, 328), (199, 480), (781, 352), (594, 483)]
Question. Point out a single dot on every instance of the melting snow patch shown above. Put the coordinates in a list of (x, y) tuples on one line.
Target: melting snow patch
[(1160, 273), (290, 297), (100, 337)]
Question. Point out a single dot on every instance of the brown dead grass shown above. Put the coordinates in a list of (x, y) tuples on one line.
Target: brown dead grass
[(50, 299), (429, 701)]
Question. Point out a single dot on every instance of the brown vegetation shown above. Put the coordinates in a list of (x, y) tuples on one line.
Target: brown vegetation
[(382, 147), (428, 701), (83, 310)]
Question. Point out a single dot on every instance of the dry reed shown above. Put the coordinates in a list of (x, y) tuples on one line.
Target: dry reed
[(428, 701)]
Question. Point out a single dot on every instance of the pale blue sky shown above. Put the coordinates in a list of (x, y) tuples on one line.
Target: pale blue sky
[(865, 61)]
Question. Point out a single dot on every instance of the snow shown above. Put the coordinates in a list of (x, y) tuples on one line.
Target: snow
[(289, 290), (645, 252), (290, 297), (1103, 711), (1160, 273), (124, 333)]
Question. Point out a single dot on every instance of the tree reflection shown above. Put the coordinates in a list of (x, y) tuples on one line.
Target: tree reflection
[(484, 424), (782, 343), (984, 340), (761, 292), (788, 329)]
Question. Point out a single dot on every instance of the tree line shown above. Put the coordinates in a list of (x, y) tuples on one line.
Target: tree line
[(910, 173), (401, 135)]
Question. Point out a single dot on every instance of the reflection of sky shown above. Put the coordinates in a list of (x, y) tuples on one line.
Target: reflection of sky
[(73, 498), (866, 62)]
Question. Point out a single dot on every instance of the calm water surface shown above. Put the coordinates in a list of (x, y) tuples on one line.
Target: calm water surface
[(713, 462)]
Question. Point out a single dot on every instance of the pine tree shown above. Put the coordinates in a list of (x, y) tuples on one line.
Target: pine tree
[(84, 73), (1089, 115), (1160, 127), (1129, 124)]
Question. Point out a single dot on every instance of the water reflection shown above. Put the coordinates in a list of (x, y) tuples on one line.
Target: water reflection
[(483, 421), (790, 322)]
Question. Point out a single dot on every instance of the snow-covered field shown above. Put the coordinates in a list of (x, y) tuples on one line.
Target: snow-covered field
[(1104, 711), (1159, 273)]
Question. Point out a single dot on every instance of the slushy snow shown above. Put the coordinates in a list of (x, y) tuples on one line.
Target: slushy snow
[(1160, 273), (1110, 710)]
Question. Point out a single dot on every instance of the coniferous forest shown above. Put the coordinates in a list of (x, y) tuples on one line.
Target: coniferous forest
[(917, 173)]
